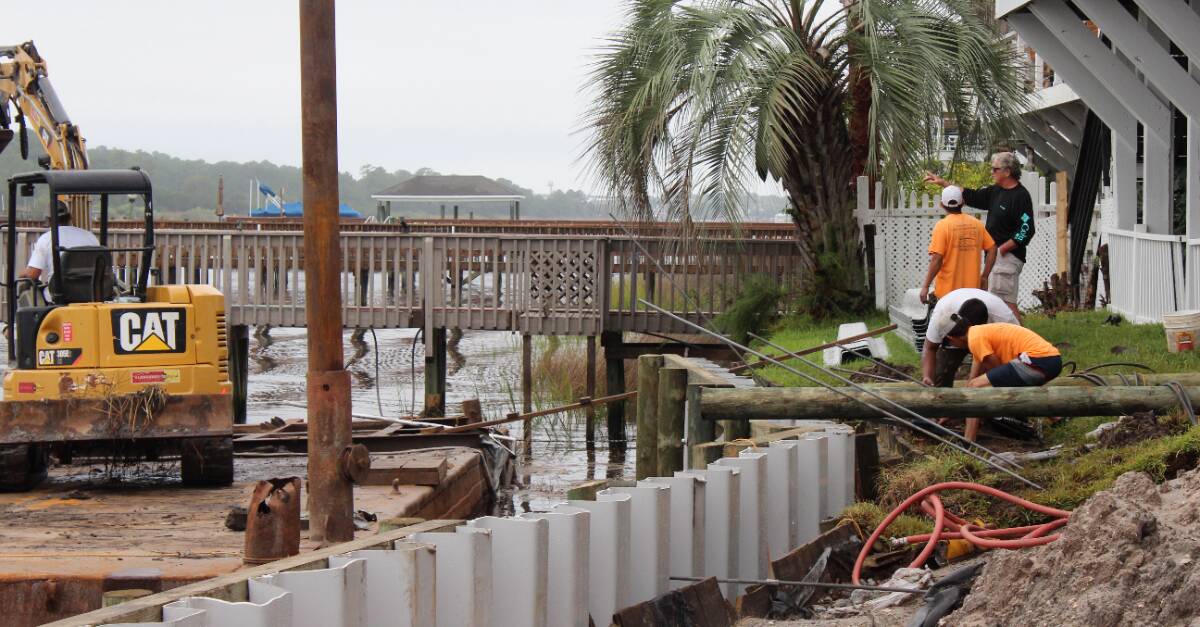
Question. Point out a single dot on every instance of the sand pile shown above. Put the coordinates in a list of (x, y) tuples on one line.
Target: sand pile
[(1128, 557)]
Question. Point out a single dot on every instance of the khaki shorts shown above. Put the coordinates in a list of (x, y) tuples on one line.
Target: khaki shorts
[(1005, 280)]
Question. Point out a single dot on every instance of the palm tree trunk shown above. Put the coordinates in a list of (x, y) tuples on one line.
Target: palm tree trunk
[(818, 183)]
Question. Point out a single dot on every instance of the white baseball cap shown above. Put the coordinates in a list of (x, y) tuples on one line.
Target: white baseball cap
[(952, 197)]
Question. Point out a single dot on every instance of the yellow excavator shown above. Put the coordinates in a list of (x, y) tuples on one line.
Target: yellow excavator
[(97, 364)]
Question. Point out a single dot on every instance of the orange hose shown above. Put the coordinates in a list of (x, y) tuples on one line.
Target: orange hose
[(947, 525)]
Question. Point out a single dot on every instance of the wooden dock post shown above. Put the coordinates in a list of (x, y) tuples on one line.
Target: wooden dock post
[(435, 373), (672, 395), (590, 382), (527, 391), (614, 377), (238, 342), (646, 453), (699, 432)]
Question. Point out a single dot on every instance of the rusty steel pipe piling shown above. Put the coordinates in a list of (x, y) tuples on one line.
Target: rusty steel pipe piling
[(330, 495)]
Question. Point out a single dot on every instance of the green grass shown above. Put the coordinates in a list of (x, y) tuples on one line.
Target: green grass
[(1068, 479), (798, 332), (1090, 342)]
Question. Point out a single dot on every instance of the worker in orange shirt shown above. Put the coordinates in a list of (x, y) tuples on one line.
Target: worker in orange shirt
[(1004, 355), (955, 250)]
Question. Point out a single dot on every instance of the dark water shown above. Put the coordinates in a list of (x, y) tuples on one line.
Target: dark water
[(484, 365)]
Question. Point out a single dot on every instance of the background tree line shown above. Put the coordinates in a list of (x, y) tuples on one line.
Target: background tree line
[(187, 188)]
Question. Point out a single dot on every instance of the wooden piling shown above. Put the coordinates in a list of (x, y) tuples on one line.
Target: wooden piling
[(527, 391), (614, 371), (672, 395), (699, 432), (238, 342), (435, 373), (590, 382), (1061, 222), (647, 422)]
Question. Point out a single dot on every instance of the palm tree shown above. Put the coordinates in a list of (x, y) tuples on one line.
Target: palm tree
[(692, 97)]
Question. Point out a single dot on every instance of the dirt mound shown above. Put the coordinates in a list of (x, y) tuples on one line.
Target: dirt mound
[(1128, 557), (1134, 428)]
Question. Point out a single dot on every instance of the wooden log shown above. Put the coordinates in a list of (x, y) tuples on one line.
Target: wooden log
[(672, 394), (819, 403), (1186, 379), (646, 455)]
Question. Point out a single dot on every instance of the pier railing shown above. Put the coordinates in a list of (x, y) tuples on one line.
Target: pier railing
[(537, 284)]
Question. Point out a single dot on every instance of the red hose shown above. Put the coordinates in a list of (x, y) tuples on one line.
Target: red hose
[(946, 525)]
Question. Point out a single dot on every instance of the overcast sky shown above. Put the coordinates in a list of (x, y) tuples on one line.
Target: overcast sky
[(462, 86)]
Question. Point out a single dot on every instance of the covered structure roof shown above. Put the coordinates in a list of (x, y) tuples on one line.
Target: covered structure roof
[(450, 188)]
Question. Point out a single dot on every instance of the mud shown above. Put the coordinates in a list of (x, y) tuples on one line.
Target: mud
[(1128, 557), (1135, 428)]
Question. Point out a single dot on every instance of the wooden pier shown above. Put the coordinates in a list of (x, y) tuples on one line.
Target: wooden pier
[(532, 278)]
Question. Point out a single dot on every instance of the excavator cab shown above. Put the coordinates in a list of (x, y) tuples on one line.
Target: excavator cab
[(107, 357), (82, 274)]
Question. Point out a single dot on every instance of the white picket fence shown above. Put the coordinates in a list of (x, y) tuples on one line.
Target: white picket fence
[(904, 223), (581, 559)]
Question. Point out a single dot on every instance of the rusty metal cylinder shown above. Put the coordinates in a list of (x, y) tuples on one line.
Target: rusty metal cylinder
[(273, 521)]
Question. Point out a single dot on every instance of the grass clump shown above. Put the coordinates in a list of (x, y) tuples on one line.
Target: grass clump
[(868, 515), (755, 307)]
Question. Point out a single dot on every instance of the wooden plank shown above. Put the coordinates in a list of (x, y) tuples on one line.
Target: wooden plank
[(385, 470), (700, 604)]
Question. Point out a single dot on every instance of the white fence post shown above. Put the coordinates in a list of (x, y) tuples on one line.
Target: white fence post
[(463, 576), (752, 541), (686, 535), (783, 473), (518, 594), (327, 597), (808, 490), (721, 516), (567, 578), (608, 554), (400, 588), (648, 541)]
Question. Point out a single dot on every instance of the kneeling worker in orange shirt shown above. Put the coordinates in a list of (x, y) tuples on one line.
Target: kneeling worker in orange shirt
[(1004, 355)]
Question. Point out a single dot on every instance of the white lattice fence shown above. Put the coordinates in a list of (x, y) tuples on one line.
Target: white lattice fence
[(904, 224)]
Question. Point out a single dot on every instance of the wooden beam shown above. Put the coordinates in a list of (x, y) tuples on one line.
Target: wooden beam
[(819, 403), (1093, 92)]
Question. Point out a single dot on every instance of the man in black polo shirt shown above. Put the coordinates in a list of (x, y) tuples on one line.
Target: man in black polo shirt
[(1009, 222)]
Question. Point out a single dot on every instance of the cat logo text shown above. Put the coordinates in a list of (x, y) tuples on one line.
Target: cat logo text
[(144, 330)]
